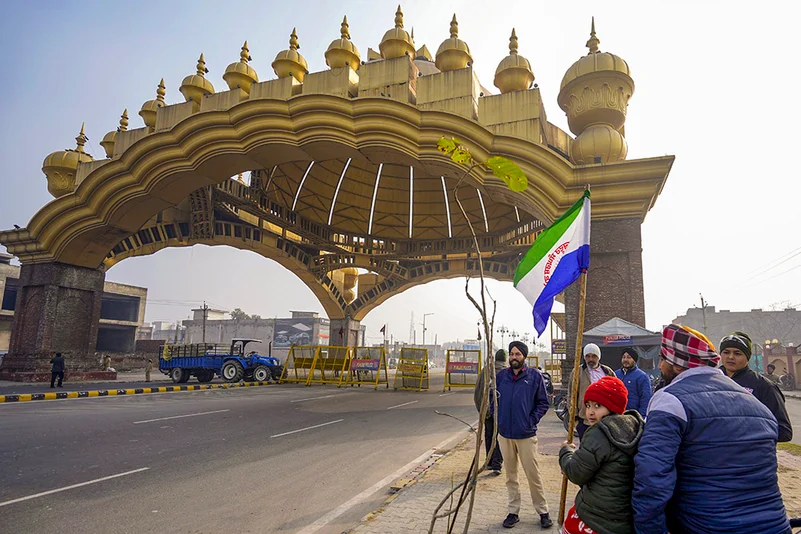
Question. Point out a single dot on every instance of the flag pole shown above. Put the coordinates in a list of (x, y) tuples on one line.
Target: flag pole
[(573, 401)]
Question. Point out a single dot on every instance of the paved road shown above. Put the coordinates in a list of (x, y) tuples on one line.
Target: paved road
[(268, 459)]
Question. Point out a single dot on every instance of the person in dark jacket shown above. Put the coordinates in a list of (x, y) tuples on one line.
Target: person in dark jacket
[(522, 402), (735, 352), (57, 370), (707, 457), (637, 382), (591, 371), (496, 458), (604, 464)]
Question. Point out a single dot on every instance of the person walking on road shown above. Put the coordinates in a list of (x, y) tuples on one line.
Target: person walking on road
[(496, 459), (591, 371), (770, 374), (57, 370), (148, 369), (735, 352), (707, 457), (522, 402), (637, 382)]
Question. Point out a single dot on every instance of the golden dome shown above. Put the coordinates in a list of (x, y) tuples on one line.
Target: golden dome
[(397, 42), (595, 61), (239, 74), (342, 52), (599, 143), (148, 111), (60, 167), (290, 62), (514, 71), (110, 138), (196, 86), (453, 53)]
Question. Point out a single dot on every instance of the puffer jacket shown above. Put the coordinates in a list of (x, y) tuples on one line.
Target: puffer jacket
[(521, 402), (477, 393), (639, 387), (707, 460), (604, 468), (584, 383)]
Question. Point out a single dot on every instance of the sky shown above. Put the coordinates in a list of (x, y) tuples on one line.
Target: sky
[(714, 82)]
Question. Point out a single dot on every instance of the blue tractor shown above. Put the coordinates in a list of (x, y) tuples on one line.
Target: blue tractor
[(204, 361)]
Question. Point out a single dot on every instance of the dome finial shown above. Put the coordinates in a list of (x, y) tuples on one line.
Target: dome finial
[(399, 17), (81, 139), (593, 43), (514, 71), (344, 30), (293, 40), (161, 91), (201, 66), (513, 42), (124, 121), (244, 54), (454, 27)]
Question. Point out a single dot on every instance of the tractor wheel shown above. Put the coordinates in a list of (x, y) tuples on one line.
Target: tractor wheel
[(232, 371), (261, 373), (178, 375), (277, 370), (205, 376)]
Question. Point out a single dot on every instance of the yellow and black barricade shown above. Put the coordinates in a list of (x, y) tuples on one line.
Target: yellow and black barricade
[(299, 364), (366, 366), (462, 368), (412, 371), (330, 366)]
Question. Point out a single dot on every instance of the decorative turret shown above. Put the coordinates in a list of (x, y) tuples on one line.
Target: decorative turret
[(397, 42), (453, 53), (290, 62), (110, 138), (196, 86), (60, 167), (342, 52), (350, 283), (594, 94), (149, 108), (239, 74), (514, 71)]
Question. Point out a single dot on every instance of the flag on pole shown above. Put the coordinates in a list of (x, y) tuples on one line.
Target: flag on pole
[(383, 329), (555, 260)]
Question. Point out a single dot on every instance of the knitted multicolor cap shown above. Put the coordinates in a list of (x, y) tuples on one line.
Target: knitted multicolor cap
[(688, 348)]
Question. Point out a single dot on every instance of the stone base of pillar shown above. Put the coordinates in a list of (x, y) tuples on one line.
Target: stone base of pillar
[(344, 333), (69, 376)]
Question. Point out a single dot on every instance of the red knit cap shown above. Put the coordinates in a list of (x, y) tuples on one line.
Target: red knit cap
[(609, 392)]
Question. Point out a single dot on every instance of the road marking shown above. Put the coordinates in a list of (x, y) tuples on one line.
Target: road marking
[(363, 496), (404, 404), (323, 397), (446, 394), (179, 416), (307, 428), (29, 497)]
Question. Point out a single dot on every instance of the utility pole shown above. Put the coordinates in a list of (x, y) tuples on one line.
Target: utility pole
[(703, 310), (205, 315), (424, 326)]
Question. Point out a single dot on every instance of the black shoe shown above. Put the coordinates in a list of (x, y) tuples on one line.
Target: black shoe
[(496, 472), (545, 521), (60, 386), (510, 521)]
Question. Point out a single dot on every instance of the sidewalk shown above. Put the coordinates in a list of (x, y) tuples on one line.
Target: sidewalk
[(410, 509)]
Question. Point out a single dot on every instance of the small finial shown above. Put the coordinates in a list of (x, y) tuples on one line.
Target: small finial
[(454, 27), (201, 66), (124, 121), (513, 42), (399, 17), (244, 54), (593, 43), (293, 40), (161, 91), (411, 36), (81, 139), (344, 30)]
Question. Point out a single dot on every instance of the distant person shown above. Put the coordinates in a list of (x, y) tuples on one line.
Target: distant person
[(522, 402), (770, 374), (496, 460), (106, 362), (148, 369), (707, 457), (57, 370), (591, 371), (735, 352), (637, 382)]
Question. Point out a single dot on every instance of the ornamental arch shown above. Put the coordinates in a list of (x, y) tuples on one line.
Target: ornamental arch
[(346, 186)]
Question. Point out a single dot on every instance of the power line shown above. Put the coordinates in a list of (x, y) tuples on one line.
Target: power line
[(785, 260)]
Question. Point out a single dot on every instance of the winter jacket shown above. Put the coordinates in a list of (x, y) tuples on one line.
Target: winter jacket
[(479, 391), (584, 383), (639, 386), (521, 402), (57, 364), (604, 468), (768, 394), (707, 460)]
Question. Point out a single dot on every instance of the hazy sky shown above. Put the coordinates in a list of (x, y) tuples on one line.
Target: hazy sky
[(714, 87)]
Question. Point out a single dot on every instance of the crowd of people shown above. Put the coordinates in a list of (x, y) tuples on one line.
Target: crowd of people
[(698, 455)]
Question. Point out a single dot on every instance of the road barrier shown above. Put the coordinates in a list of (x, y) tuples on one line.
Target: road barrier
[(459, 365), (366, 365), (299, 363), (412, 371), (330, 366)]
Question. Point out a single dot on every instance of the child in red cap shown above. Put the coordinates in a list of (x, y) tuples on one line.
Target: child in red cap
[(604, 463)]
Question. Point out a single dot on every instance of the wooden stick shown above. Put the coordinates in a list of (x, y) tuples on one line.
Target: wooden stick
[(571, 426)]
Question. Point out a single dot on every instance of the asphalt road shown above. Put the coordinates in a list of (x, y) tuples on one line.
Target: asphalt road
[(266, 459)]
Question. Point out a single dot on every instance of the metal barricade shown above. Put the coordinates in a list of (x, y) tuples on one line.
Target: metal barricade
[(412, 371), (459, 365), (366, 366)]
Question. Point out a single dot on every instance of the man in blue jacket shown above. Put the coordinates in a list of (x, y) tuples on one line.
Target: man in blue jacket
[(637, 382), (707, 457), (522, 402)]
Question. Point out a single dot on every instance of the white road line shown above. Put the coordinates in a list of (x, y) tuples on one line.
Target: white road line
[(446, 394), (307, 428), (404, 404), (29, 497), (366, 494), (179, 416), (323, 397)]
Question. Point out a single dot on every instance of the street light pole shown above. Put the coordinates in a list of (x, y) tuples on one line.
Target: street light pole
[(503, 331), (424, 326)]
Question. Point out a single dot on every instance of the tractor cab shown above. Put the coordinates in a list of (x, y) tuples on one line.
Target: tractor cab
[(239, 347)]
